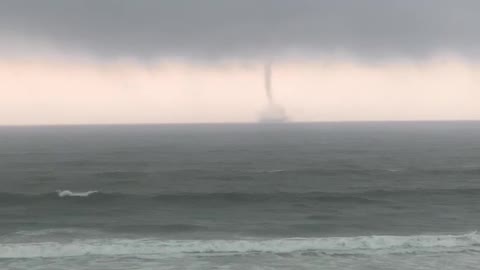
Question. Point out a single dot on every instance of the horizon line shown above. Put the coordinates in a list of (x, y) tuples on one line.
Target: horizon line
[(245, 123)]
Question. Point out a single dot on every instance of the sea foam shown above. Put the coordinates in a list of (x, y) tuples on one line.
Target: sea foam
[(322, 246), (68, 193)]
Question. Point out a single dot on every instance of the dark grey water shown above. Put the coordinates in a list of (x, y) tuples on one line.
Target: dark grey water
[(293, 196)]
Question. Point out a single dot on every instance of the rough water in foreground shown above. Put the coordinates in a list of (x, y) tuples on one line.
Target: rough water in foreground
[(274, 196)]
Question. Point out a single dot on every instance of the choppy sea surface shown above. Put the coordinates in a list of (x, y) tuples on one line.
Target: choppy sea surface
[(280, 196)]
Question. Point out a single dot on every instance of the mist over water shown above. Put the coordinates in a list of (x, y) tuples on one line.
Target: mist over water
[(286, 196)]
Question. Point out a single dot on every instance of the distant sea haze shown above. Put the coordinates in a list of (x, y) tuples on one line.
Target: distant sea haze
[(241, 196)]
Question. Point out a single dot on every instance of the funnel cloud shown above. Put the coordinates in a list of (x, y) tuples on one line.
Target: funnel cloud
[(192, 61), (273, 113)]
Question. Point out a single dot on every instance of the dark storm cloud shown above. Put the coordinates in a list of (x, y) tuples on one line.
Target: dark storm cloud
[(228, 28)]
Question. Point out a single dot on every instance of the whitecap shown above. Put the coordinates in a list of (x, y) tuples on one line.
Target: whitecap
[(276, 171), (394, 170), (68, 193), (322, 246)]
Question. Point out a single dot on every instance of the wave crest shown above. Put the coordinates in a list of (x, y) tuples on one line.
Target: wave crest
[(68, 193), (365, 197), (361, 245)]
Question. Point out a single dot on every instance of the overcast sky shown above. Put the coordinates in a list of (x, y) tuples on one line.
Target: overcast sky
[(239, 28), (356, 38)]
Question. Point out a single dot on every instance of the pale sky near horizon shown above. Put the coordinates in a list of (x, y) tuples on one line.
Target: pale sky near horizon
[(113, 62)]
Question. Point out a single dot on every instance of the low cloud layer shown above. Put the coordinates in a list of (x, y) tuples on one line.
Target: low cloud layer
[(243, 28)]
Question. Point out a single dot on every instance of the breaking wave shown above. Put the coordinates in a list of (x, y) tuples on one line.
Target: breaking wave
[(362, 245), (367, 197), (68, 193)]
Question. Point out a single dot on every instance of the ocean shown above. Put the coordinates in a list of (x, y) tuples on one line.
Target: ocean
[(403, 195)]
